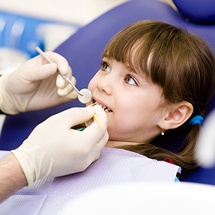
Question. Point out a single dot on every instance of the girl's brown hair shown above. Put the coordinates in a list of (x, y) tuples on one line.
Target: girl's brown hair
[(183, 66)]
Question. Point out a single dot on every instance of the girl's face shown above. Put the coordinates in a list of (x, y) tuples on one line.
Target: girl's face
[(133, 104)]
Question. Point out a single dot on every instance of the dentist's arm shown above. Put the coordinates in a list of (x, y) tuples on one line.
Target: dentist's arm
[(54, 149), (12, 177)]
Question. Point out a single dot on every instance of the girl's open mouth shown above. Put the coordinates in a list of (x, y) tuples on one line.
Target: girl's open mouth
[(106, 109)]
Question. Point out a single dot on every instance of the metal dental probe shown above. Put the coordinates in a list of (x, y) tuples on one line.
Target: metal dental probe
[(84, 95)]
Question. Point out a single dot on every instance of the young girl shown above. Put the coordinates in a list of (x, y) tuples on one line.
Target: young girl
[(155, 83)]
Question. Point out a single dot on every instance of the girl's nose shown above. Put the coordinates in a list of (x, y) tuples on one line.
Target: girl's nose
[(106, 84)]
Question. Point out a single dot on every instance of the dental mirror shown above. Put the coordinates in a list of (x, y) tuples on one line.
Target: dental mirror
[(84, 95)]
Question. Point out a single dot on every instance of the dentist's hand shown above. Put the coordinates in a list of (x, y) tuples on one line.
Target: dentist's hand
[(36, 84), (54, 149)]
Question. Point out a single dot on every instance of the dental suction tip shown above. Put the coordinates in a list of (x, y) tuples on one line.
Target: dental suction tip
[(85, 97)]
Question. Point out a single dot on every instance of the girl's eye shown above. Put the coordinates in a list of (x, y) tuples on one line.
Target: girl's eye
[(130, 80), (105, 67)]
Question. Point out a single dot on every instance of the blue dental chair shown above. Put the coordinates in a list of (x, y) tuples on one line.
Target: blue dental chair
[(83, 51)]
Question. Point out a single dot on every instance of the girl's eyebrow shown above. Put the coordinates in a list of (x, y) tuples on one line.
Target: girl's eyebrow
[(132, 69), (105, 56)]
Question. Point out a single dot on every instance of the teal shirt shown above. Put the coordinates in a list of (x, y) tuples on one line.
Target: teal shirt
[(176, 180)]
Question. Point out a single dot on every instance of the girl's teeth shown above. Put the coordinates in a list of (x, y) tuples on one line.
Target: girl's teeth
[(106, 109)]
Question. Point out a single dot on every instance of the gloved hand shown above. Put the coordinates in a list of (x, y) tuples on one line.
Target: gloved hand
[(54, 149), (36, 85)]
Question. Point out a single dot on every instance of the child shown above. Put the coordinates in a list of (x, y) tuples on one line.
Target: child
[(155, 83)]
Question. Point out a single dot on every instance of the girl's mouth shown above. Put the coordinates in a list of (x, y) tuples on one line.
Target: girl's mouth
[(106, 109)]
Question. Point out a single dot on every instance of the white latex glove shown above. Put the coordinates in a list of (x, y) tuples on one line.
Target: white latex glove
[(36, 84), (54, 149)]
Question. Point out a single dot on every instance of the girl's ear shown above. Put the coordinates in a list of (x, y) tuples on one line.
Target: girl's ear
[(177, 116)]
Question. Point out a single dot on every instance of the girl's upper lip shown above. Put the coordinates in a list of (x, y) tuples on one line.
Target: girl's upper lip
[(99, 101)]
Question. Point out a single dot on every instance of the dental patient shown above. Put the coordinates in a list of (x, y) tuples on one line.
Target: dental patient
[(155, 83)]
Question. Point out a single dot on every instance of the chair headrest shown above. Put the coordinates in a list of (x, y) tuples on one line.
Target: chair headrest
[(198, 11)]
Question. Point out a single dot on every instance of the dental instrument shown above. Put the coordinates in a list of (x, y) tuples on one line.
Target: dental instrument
[(97, 120), (84, 95)]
